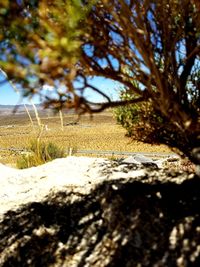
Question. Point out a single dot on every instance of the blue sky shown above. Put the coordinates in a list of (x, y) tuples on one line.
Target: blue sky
[(9, 97), (107, 86)]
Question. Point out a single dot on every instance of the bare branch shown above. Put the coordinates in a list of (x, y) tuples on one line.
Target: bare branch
[(103, 106)]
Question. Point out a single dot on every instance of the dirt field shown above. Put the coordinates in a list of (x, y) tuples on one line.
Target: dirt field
[(98, 133)]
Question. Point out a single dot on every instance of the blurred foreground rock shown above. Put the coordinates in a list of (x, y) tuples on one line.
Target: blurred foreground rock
[(124, 216)]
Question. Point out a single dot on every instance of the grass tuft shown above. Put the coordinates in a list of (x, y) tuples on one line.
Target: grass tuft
[(40, 153)]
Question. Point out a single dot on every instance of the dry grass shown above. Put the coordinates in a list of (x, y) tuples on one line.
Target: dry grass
[(99, 133)]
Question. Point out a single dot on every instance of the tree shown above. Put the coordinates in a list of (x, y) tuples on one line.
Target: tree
[(155, 42)]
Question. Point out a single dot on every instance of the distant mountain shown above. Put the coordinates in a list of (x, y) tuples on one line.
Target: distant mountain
[(20, 109), (6, 109), (19, 106)]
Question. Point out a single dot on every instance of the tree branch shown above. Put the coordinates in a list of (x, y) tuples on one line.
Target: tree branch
[(191, 52), (106, 105)]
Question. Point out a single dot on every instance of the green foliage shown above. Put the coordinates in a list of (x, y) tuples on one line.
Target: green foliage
[(140, 120), (144, 123), (41, 41), (127, 115), (40, 153)]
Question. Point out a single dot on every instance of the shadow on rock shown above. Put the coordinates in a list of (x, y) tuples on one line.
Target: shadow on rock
[(132, 223)]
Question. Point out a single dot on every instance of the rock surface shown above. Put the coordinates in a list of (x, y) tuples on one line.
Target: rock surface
[(141, 160), (20, 187), (95, 212)]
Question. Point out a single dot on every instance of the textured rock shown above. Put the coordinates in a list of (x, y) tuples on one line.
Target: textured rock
[(34, 184), (112, 215), (140, 160)]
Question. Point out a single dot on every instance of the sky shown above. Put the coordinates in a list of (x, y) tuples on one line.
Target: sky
[(9, 97)]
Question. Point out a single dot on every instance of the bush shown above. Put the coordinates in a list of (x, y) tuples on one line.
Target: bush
[(40, 153), (144, 123), (140, 120), (127, 115)]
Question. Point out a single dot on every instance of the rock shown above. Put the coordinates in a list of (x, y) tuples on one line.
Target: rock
[(130, 160), (168, 160), (34, 184), (141, 160), (130, 221)]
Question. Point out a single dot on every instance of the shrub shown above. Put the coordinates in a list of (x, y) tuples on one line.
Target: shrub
[(127, 115), (140, 120), (40, 153), (143, 122)]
